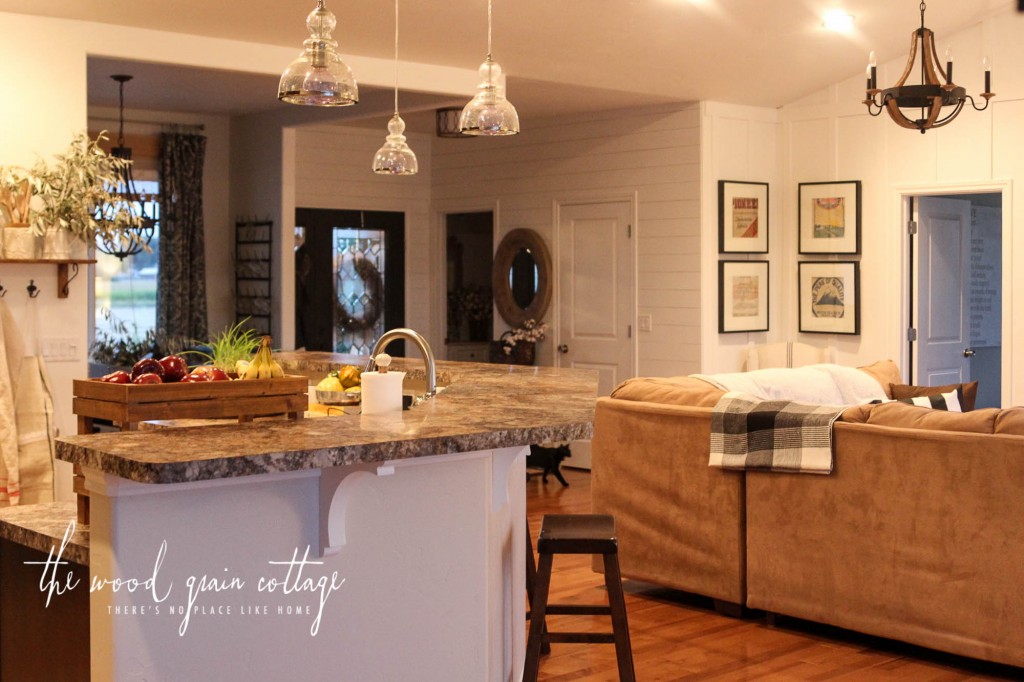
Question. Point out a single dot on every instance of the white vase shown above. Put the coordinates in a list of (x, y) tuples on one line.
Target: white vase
[(57, 244), (19, 243)]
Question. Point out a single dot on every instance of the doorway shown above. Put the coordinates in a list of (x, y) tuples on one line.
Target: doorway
[(596, 296), (469, 247), (349, 279), (956, 292)]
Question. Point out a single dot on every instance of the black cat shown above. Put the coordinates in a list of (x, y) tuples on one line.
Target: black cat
[(548, 459)]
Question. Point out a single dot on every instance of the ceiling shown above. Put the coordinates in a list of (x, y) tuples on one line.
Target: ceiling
[(562, 56)]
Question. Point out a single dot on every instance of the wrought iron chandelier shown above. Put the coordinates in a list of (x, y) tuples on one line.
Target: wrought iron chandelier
[(130, 201), (932, 96)]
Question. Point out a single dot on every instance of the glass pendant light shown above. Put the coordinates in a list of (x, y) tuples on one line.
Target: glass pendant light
[(489, 113), (395, 157), (318, 77)]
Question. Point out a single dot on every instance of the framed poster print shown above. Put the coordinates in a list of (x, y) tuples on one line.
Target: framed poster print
[(829, 297), (742, 296), (829, 217), (742, 217)]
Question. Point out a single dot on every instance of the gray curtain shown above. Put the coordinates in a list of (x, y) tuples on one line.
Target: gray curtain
[(181, 286)]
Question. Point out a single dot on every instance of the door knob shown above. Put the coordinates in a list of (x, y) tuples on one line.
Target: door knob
[(563, 349), (968, 352)]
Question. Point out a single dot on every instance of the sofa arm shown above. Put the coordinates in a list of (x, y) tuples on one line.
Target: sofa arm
[(917, 536), (680, 523)]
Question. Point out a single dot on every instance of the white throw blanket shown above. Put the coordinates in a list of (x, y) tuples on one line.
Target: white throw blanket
[(26, 417), (818, 384)]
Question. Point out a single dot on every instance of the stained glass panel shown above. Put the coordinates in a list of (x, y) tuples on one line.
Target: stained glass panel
[(358, 289)]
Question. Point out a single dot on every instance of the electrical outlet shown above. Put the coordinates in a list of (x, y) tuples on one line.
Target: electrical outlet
[(59, 349), (644, 322)]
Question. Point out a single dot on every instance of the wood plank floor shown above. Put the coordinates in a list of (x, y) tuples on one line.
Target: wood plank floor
[(678, 636)]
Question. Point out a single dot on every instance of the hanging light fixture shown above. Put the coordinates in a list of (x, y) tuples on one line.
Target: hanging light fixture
[(395, 157), (318, 77), (489, 113), (935, 92), (129, 200)]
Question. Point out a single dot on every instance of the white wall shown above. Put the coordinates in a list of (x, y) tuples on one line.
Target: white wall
[(652, 152), (332, 171), (829, 136), (739, 143)]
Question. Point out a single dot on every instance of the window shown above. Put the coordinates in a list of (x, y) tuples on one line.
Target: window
[(125, 291)]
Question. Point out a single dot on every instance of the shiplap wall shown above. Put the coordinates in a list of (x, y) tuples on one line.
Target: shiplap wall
[(332, 170), (740, 143), (829, 136), (651, 153)]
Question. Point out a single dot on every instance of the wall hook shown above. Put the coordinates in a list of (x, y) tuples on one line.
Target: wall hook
[(3, 292), (33, 290)]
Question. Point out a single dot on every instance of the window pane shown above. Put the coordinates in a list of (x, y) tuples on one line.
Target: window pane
[(358, 289)]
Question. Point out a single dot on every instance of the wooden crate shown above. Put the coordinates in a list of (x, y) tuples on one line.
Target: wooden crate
[(128, 404)]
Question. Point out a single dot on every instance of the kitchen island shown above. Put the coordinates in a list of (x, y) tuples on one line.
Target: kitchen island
[(383, 547)]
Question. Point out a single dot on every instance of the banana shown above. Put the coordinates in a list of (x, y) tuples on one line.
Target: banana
[(240, 367), (263, 365)]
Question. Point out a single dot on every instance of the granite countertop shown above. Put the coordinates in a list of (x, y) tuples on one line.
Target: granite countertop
[(485, 407), (42, 527)]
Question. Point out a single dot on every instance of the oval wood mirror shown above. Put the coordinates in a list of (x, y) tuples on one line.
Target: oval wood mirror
[(522, 277)]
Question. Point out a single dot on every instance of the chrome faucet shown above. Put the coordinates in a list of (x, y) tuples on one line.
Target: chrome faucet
[(421, 343)]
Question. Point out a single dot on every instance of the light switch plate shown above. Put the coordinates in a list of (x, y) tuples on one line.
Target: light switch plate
[(62, 349), (644, 322)]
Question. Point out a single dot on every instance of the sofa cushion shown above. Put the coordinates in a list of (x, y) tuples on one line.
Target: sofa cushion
[(885, 372), (967, 393), (1011, 421), (669, 391), (858, 414), (913, 417)]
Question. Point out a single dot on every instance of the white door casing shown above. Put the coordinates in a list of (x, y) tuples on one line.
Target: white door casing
[(941, 305), (596, 296)]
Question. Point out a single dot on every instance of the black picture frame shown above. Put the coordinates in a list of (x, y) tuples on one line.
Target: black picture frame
[(743, 296), (826, 211), (825, 302), (734, 221)]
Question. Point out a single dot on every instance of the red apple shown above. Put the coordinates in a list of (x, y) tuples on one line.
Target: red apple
[(214, 373), (175, 368), (148, 378), (147, 366), (195, 378), (118, 377)]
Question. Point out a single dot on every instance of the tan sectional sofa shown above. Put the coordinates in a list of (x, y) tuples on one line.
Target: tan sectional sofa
[(917, 535)]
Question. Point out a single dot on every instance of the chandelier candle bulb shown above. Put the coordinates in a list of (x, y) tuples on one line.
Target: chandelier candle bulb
[(986, 64), (872, 71), (949, 66)]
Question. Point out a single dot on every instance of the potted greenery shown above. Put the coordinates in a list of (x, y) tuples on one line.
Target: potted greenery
[(73, 190)]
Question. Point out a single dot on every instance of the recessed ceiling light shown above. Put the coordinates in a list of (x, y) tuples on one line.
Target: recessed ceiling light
[(838, 20)]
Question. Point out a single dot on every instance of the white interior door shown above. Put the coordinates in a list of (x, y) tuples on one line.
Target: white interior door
[(943, 266), (596, 297)]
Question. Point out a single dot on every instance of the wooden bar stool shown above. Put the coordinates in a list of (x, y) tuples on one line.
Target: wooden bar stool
[(578, 534), (531, 580)]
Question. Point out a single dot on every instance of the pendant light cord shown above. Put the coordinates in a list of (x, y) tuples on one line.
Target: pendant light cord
[(120, 130), (488, 30), (396, 57)]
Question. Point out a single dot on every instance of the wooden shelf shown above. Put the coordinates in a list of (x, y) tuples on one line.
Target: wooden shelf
[(62, 269)]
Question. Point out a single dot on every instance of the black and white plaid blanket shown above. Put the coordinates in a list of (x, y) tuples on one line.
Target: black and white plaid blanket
[(772, 435)]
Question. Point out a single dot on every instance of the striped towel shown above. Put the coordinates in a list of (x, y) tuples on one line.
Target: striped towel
[(772, 435)]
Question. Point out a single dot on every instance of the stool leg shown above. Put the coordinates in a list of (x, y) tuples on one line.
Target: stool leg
[(620, 627), (537, 611), (531, 580)]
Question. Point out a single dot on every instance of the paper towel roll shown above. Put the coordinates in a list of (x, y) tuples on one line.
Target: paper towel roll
[(382, 392)]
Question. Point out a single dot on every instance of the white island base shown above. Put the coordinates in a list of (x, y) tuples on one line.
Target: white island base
[(429, 554)]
